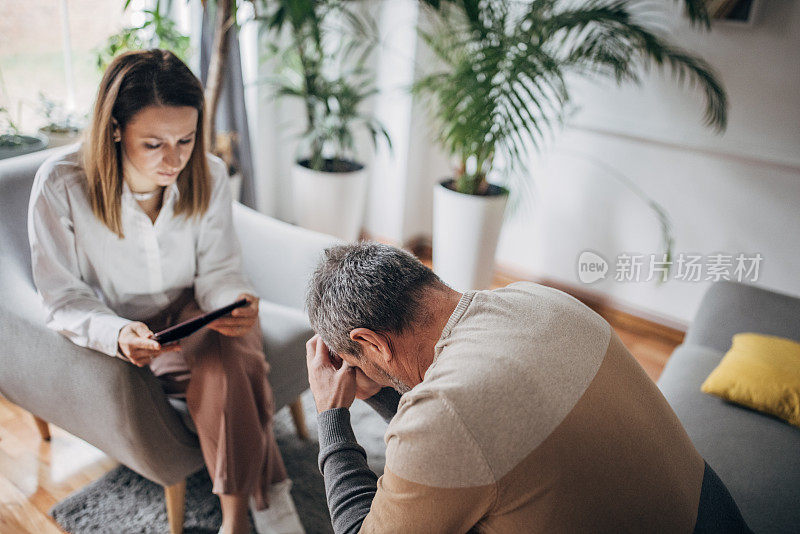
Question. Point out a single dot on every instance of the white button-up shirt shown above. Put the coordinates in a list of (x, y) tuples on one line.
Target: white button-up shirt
[(93, 283)]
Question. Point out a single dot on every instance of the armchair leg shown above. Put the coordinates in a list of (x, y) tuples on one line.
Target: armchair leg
[(44, 429), (299, 418), (176, 501)]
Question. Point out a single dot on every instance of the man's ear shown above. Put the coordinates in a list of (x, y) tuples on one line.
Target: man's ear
[(372, 344)]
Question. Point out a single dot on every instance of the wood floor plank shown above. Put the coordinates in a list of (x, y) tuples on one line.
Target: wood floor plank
[(42, 473), (19, 516)]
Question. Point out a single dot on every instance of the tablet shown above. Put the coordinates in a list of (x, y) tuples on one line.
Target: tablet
[(187, 328)]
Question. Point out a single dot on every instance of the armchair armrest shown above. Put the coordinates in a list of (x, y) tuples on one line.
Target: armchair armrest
[(278, 257), (285, 331), (115, 406)]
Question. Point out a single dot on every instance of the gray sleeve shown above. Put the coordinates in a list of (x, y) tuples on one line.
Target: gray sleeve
[(385, 403), (350, 484)]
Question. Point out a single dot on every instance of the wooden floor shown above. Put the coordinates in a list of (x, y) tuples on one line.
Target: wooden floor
[(35, 474)]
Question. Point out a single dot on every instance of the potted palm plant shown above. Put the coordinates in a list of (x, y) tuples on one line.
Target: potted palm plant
[(501, 90), (323, 65)]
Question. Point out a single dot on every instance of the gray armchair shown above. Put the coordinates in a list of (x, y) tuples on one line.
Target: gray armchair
[(115, 406)]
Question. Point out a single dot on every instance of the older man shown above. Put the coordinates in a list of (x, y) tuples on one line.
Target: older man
[(521, 411)]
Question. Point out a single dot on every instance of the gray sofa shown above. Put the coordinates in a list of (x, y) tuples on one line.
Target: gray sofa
[(757, 456), (115, 406)]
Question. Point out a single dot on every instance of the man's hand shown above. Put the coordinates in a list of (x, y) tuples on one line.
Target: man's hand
[(240, 320), (332, 383), (365, 386), (136, 344)]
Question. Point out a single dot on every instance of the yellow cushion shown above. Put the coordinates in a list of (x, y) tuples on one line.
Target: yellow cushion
[(760, 372)]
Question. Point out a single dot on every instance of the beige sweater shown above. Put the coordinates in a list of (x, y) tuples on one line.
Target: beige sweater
[(533, 417)]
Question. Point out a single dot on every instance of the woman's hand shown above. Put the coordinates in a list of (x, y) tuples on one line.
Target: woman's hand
[(240, 320), (136, 344)]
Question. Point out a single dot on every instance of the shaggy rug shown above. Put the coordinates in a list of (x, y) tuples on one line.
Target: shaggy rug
[(122, 502)]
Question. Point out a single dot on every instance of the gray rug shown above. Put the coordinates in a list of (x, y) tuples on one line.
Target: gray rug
[(123, 502)]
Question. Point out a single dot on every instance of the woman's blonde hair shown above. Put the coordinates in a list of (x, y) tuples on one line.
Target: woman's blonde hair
[(132, 82)]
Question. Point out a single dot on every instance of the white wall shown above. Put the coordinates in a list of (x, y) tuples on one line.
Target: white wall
[(760, 67), (717, 204), (388, 199)]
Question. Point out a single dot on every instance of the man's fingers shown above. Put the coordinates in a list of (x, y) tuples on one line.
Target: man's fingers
[(322, 355), (318, 355), (346, 377), (346, 368), (321, 350), (311, 348)]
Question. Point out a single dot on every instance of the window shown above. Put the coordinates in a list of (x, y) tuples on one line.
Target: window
[(32, 59)]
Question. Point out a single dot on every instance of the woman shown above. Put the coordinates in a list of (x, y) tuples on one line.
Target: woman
[(132, 232)]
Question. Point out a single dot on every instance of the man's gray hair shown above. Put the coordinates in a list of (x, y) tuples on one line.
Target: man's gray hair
[(366, 285)]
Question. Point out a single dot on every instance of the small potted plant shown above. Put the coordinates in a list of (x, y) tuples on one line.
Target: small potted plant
[(323, 66), (12, 143), (63, 127), (503, 88)]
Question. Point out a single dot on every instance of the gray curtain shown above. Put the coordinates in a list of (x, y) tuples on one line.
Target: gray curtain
[(231, 115)]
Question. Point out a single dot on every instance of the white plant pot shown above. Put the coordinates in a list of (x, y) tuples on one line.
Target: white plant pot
[(465, 233), (329, 202)]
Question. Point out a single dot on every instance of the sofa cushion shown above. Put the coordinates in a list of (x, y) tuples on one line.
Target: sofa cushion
[(762, 373), (755, 455)]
